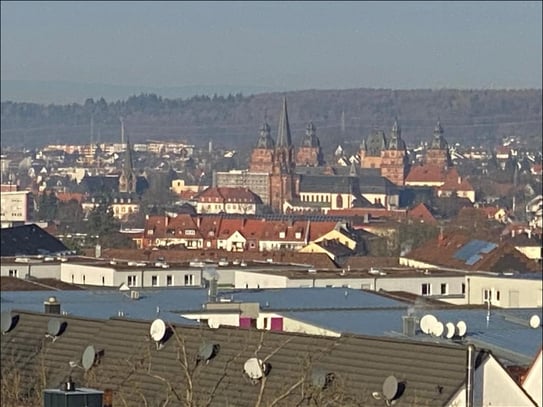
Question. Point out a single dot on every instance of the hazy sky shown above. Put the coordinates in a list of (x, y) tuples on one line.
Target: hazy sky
[(282, 45)]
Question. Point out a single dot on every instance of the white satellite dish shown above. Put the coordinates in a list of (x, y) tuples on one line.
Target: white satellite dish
[(461, 328), (450, 330), (157, 330), (535, 321), (437, 328), (254, 368), (426, 322)]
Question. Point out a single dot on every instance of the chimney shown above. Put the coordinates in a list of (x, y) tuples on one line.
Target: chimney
[(409, 324), (98, 251), (212, 292), (51, 306), (108, 398), (440, 238), (513, 232)]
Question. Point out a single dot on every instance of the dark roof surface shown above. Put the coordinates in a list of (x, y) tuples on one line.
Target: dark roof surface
[(29, 240), (140, 374)]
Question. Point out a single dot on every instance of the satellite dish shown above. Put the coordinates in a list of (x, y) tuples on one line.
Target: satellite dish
[(461, 328), (88, 358), (207, 351), (254, 368), (437, 328), (450, 330), (8, 321), (158, 330), (54, 327), (535, 321), (426, 323), (390, 387), (320, 378)]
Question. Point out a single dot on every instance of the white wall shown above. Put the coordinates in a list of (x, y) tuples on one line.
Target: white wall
[(247, 279), (493, 387), (38, 270), (512, 292), (533, 384), (110, 277), (74, 273)]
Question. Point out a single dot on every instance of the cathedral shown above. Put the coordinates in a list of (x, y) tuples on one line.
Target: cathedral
[(387, 155)]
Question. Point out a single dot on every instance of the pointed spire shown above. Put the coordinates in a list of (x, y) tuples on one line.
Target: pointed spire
[(128, 164), (265, 140), (438, 130), (353, 171), (396, 129), (283, 133)]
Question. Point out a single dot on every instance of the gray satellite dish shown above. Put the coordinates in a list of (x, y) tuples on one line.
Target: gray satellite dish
[(89, 357), (54, 327), (320, 378), (450, 330), (157, 330), (535, 321), (461, 328), (7, 322), (390, 388), (207, 351)]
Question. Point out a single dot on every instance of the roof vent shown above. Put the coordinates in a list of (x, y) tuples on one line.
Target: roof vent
[(51, 306), (255, 369), (207, 351), (55, 328), (135, 295), (8, 321)]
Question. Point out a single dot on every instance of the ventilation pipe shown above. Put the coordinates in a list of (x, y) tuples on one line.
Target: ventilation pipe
[(469, 376)]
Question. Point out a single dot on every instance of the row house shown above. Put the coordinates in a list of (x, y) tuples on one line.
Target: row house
[(216, 200), (231, 234)]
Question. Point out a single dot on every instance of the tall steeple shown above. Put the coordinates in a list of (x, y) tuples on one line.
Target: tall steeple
[(127, 179), (283, 133)]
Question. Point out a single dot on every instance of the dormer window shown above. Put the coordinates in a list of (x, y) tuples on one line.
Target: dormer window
[(281, 235)]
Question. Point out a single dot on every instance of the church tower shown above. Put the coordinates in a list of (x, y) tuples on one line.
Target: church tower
[(438, 151), (394, 159), (310, 152), (262, 156), (282, 185), (371, 148), (127, 179)]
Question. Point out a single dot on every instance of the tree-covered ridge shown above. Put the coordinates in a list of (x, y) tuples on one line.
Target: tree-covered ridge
[(466, 114)]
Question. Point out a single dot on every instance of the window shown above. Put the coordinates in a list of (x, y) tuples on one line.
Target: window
[(443, 289), (169, 280), (103, 280), (339, 202), (12, 273), (497, 295), (189, 279), (426, 289), (463, 288), (487, 295), (154, 281), (132, 280)]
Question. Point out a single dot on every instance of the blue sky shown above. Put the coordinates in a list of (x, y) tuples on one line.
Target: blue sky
[(278, 45)]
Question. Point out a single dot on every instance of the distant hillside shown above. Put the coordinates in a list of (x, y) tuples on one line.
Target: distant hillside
[(477, 116)]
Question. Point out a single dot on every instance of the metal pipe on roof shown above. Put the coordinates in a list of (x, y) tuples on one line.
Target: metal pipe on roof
[(469, 375)]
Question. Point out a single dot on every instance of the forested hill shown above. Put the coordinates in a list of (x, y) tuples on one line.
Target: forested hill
[(341, 116)]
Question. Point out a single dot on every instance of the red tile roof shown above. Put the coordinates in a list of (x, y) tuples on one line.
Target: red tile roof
[(422, 214), (426, 173)]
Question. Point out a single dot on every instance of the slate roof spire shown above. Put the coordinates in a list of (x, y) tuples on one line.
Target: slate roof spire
[(283, 132)]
